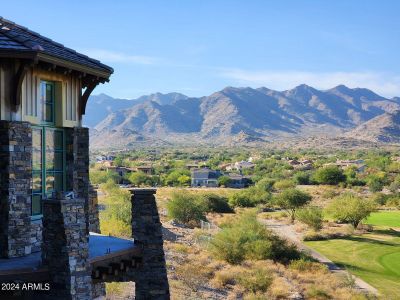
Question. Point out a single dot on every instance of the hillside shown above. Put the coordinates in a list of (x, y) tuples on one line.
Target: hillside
[(383, 128), (237, 115)]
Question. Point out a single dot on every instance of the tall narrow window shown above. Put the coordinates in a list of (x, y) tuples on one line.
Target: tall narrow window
[(37, 175), (47, 92)]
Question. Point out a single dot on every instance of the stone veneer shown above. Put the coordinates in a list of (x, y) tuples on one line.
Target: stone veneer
[(36, 235), (65, 248), (151, 280), (93, 207), (15, 188)]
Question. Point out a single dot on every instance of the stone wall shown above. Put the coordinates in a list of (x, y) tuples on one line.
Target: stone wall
[(15, 188), (36, 235), (151, 280), (65, 248)]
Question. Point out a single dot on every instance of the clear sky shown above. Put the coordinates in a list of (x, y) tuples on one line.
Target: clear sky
[(197, 47)]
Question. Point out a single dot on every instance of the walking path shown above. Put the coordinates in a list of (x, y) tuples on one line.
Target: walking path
[(288, 232)]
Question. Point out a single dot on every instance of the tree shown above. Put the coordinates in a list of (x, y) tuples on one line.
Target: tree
[(329, 175), (224, 181), (184, 180), (291, 200), (349, 208), (376, 181)]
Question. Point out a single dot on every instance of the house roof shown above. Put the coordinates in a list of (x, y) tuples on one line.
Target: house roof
[(19, 41), (205, 173)]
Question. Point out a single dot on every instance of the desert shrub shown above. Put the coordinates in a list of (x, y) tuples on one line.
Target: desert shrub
[(99, 177), (328, 234), (193, 275), (284, 184), (249, 197), (186, 208), (376, 182), (318, 294), (291, 200), (311, 216), (266, 184), (224, 181), (329, 175), (329, 193), (216, 203), (302, 178), (349, 208), (255, 280), (245, 238), (114, 227), (306, 265)]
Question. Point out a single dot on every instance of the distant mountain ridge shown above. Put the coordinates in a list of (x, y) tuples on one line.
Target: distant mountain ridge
[(234, 115)]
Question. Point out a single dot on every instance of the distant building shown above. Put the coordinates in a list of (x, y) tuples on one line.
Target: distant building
[(358, 164), (240, 165), (301, 165), (205, 177), (238, 181), (192, 166), (148, 170)]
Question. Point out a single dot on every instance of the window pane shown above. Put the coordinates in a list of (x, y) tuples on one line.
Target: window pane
[(37, 182), (36, 161), (49, 160), (49, 183), (50, 139), (37, 139), (48, 111), (58, 183), (58, 161), (36, 205)]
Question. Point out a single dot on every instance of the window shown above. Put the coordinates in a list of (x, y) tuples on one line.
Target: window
[(47, 164), (48, 151), (47, 95)]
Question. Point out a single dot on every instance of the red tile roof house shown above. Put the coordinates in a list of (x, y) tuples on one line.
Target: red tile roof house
[(47, 207)]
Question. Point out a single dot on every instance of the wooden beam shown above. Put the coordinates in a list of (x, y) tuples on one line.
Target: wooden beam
[(84, 98), (18, 79)]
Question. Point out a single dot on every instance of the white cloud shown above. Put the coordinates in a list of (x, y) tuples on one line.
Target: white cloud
[(119, 57), (385, 84)]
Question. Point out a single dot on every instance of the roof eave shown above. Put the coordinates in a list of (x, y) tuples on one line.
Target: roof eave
[(104, 74)]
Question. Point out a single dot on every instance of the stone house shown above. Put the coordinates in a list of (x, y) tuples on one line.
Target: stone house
[(49, 227)]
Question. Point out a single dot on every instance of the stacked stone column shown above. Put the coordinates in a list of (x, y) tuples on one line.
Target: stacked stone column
[(151, 281), (15, 188), (65, 248)]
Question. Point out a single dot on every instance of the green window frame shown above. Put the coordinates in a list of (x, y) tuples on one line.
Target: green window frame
[(48, 152), (47, 96)]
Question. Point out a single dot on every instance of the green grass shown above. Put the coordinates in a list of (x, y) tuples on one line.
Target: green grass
[(374, 257), (384, 218)]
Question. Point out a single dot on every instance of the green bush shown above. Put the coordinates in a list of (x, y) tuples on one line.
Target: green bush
[(291, 200), (249, 197), (329, 175), (216, 203), (284, 184), (311, 216), (224, 181), (375, 183), (186, 208), (302, 178), (245, 238), (349, 208), (99, 177)]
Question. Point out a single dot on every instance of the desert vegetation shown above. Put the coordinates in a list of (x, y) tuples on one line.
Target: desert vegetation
[(219, 241)]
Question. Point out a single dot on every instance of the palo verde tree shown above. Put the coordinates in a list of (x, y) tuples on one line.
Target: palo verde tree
[(349, 208), (291, 200)]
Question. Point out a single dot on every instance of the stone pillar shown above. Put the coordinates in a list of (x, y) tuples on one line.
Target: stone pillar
[(15, 188), (65, 248), (94, 222), (151, 281)]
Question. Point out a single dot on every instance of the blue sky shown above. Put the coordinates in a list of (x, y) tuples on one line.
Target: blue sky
[(197, 47)]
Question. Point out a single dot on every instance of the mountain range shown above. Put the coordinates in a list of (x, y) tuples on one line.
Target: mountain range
[(238, 115)]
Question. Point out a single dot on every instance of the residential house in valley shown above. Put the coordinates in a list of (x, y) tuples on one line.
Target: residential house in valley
[(205, 177)]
